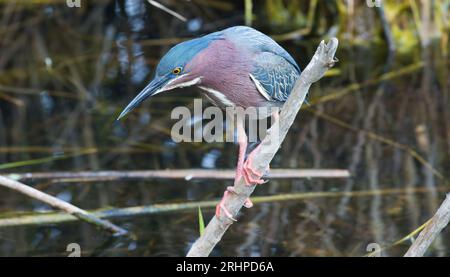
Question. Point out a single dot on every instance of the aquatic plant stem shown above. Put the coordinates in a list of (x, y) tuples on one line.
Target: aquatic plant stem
[(62, 205), (323, 59), (43, 218)]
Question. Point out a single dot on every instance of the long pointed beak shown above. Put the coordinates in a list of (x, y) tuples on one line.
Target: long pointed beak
[(156, 86)]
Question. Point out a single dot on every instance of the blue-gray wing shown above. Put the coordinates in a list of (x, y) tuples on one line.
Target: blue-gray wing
[(257, 42), (274, 76), (274, 70)]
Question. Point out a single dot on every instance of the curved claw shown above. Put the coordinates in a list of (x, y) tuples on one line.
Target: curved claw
[(249, 172), (248, 167), (248, 203), (249, 180), (221, 206)]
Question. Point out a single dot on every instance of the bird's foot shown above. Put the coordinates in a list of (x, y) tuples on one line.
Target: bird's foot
[(251, 175), (221, 206)]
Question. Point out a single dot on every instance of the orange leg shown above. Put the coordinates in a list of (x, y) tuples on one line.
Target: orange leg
[(244, 169), (240, 172), (242, 141), (249, 171)]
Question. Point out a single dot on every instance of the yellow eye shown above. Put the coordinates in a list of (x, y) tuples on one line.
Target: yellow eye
[(176, 71)]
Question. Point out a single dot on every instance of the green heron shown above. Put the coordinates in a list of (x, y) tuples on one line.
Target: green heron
[(236, 67)]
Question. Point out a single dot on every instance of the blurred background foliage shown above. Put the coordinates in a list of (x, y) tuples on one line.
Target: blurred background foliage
[(382, 113)]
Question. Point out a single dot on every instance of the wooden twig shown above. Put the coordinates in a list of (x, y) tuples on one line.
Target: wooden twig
[(323, 60), (434, 227), (185, 174), (62, 205)]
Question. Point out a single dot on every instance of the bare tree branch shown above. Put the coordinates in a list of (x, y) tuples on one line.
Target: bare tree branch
[(62, 205), (319, 64), (434, 227)]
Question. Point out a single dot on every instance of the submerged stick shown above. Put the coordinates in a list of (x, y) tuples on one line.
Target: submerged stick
[(62, 205), (319, 64), (167, 10), (185, 174), (14, 220), (433, 228)]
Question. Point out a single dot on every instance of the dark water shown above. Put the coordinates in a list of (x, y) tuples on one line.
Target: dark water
[(67, 73)]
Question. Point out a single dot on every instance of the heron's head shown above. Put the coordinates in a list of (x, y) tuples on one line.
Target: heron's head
[(175, 70)]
